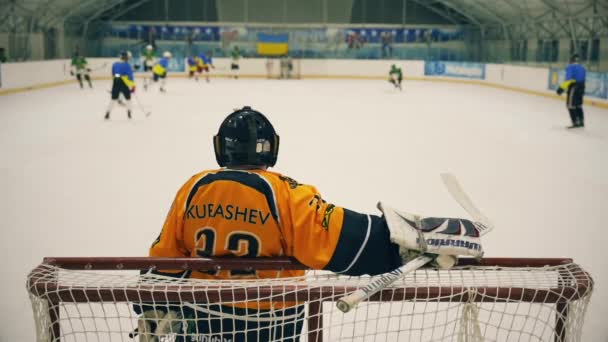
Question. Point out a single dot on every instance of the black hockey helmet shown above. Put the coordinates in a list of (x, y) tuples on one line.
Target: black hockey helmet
[(246, 137), (574, 58), (125, 55)]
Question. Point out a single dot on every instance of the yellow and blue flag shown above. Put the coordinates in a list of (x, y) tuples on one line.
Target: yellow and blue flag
[(273, 44)]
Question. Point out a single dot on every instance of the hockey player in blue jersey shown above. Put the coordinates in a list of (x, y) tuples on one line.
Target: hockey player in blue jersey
[(159, 70), (574, 86), (122, 83), (205, 62), (193, 65)]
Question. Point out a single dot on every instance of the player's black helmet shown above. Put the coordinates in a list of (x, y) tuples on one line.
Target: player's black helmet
[(246, 137), (125, 55), (574, 58)]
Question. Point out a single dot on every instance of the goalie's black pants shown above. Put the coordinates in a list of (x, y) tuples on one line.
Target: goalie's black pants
[(574, 102), (218, 323)]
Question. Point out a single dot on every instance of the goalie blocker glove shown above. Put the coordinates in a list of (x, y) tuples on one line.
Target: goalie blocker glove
[(447, 238)]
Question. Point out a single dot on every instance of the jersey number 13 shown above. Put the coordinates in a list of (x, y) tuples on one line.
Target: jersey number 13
[(239, 243)]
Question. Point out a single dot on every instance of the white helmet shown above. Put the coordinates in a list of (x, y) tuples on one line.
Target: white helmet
[(167, 54), (149, 47)]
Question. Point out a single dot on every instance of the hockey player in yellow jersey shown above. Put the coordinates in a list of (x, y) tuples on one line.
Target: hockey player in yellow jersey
[(245, 210), (159, 71)]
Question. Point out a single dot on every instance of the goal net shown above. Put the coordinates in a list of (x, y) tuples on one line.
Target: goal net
[(121, 299), (283, 68)]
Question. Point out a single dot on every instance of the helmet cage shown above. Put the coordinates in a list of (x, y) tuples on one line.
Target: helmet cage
[(246, 137)]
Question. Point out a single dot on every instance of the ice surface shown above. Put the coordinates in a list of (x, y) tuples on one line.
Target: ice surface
[(74, 185)]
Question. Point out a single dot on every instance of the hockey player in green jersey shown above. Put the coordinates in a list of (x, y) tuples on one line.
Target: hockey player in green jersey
[(395, 76), (148, 56), (235, 54), (80, 68)]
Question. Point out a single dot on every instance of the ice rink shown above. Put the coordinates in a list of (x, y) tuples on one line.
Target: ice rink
[(75, 185)]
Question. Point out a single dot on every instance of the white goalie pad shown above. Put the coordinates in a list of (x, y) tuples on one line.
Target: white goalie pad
[(434, 235), (155, 325)]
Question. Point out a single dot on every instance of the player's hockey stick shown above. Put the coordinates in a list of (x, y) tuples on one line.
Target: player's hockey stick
[(483, 224), (346, 303), (88, 70), (99, 67), (139, 105)]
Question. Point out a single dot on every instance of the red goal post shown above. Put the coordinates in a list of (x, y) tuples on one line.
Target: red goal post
[(493, 299)]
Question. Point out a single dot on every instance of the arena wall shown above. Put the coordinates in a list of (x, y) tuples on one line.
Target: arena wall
[(518, 76), (33, 75), (16, 77)]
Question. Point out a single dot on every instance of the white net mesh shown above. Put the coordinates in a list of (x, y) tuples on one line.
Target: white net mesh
[(469, 303)]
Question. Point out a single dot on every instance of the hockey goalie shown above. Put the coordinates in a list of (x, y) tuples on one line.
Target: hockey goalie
[(243, 209)]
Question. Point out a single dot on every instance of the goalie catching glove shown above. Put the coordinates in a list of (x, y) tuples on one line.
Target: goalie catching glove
[(447, 238)]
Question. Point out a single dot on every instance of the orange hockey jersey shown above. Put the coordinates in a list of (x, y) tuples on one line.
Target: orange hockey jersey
[(258, 213)]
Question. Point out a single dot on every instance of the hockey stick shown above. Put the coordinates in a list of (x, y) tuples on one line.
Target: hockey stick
[(99, 67), (86, 71), (346, 303), (139, 105), (483, 224)]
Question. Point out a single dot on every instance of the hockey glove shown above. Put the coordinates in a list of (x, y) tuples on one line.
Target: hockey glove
[(447, 238)]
